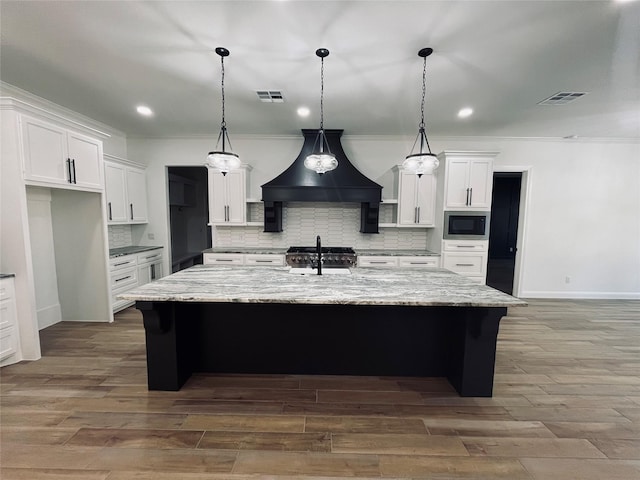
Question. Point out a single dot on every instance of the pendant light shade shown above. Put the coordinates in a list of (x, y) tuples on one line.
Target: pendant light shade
[(222, 159), (321, 159), (422, 161)]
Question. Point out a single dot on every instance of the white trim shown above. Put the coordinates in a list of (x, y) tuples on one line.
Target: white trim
[(582, 295), (124, 161)]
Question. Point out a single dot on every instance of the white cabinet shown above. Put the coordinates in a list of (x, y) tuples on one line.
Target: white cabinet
[(228, 197), (149, 266), (468, 258), (130, 271), (55, 156), (259, 259), (416, 199), (8, 322), (404, 261), (126, 192), (469, 181)]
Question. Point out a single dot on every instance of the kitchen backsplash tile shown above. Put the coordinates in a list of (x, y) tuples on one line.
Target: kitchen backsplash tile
[(120, 236), (337, 223)]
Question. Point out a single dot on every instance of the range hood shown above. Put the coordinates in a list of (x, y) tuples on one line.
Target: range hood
[(344, 184)]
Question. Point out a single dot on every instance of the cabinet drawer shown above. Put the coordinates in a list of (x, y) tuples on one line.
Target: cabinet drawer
[(8, 342), (377, 261), (473, 264), (263, 259), (124, 278), (149, 257), (465, 246), (7, 313), (223, 259), (419, 262), (120, 263), (6, 288)]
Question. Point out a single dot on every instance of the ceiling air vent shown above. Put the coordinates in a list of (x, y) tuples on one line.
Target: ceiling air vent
[(561, 98), (270, 96)]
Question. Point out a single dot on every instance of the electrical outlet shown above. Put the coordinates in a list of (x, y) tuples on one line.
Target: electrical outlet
[(151, 236), (567, 279)]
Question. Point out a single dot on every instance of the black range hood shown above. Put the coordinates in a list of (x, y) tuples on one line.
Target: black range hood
[(344, 184)]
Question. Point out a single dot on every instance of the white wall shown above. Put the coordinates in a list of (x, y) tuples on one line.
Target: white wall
[(583, 216)]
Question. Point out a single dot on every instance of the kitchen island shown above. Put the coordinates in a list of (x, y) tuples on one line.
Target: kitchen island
[(398, 322)]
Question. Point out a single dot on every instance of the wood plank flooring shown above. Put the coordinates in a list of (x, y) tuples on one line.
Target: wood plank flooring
[(566, 405)]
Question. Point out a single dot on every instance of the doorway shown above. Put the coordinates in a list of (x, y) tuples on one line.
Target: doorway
[(503, 233), (188, 215)]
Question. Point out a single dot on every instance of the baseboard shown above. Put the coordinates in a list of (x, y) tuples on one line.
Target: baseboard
[(581, 295), (49, 316)]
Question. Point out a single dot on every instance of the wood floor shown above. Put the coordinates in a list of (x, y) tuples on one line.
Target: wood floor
[(566, 406)]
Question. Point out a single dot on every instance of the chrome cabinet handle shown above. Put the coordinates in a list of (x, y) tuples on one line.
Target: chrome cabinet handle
[(464, 264)]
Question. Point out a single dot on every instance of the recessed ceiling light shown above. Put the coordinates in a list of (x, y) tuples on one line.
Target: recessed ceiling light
[(144, 110), (303, 111), (465, 112)]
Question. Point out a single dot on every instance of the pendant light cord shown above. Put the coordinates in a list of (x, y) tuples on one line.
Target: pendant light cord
[(224, 123), (322, 93), (424, 91)]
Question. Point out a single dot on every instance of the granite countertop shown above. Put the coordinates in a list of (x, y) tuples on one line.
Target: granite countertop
[(120, 251), (364, 286), (396, 253), (254, 250)]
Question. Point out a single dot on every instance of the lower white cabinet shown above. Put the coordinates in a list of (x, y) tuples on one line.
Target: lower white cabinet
[(468, 258), (416, 261), (130, 271), (8, 322), (264, 259)]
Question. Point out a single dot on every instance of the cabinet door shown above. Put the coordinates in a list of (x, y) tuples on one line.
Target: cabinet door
[(426, 200), (457, 195), (217, 197), (236, 197), (136, 195), (86, 160), (407, 192), (480, 183), (45, 152), (114, 179)]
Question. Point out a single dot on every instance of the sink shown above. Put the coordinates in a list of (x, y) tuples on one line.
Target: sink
[(325, 271)]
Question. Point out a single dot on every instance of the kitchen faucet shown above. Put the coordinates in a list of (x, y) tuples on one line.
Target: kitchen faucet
[(319, 254)]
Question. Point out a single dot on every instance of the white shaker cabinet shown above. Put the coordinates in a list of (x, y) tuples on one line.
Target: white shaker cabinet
[(57, 157), (228, 197), (8, 322), (469, 182), (416, 199), (126, 192), (149, 266), (466, 257)]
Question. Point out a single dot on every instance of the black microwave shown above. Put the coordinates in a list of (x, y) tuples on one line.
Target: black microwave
[(466, 225)]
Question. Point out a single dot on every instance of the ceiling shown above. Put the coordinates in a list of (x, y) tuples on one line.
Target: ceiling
[(102, 58)]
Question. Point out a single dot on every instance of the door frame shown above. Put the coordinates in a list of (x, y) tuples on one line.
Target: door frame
[(523, 213)]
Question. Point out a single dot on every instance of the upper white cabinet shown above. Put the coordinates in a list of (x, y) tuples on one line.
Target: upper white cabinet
[(126, 192), (228, 197), (416, 199), (468, 180), (57, 157)]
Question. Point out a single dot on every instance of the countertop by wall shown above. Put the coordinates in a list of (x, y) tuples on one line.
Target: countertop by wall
[(120, 251), (282, 251)]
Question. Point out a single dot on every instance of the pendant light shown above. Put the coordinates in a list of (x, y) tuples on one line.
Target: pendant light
[(223, 160), (422, 161), (320, 159)]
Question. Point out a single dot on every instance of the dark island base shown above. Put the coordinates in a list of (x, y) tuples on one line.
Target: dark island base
[(454, 342)]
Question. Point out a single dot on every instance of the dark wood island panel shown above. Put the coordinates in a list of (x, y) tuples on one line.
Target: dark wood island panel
[(457, 342)]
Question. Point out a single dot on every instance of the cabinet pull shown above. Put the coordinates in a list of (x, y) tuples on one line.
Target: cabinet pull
[(118, 264), (467, 200), (224, 260), (470, 196), (264, 261), (110, 214), (464, 264), (380, 262), (69, 170), (123, 278), (153, 272), (419, 263), (465, 246), (418, 215), (131, 209), (73, 163)]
